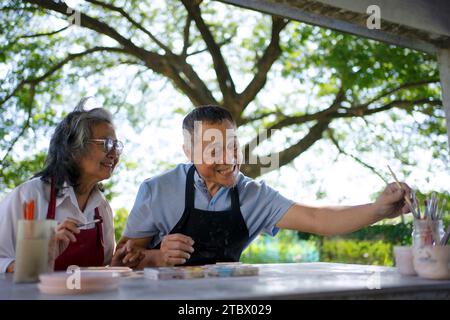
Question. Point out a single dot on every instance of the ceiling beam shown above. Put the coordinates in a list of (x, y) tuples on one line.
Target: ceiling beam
[(284, 9)]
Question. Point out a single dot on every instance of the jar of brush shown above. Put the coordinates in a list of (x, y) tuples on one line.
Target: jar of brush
[(431, 254), (428, 228)]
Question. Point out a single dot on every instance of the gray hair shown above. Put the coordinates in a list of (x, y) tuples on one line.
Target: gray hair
[(208, 113), (69, 142)]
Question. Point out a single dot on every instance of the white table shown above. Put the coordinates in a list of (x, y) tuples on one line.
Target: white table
[(276, 281)]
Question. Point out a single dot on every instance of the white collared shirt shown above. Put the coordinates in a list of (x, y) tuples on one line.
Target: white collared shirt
[(11, 210)]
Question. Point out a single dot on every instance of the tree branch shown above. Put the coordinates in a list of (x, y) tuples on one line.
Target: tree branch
[(220, 44), (338, 147), (261, 116), (363, 110), (7, 8), (191, 85), (399, 88), (224, 78), (288, 121), (289, 154), (26, 124), (43, 34), (168, 65), (56, 67), (263, 65), (132, 21), (96, 25), (324, 117), (186, 29)]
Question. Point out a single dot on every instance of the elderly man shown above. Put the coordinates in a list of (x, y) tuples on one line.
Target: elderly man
[(206, 211)]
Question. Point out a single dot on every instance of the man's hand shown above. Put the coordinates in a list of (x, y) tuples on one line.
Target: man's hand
[(391, 203), (128, 254), (175, 249)]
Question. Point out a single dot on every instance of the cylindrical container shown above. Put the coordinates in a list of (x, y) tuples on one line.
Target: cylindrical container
[(35, 249), (404, 260), (432, 262), (427, 232)]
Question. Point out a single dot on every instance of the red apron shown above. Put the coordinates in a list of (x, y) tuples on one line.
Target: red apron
[(88, 251)]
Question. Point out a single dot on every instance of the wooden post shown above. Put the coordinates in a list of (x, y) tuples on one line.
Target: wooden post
[(444, 70)]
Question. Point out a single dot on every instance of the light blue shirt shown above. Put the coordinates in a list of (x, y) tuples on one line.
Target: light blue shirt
[(160, 204)]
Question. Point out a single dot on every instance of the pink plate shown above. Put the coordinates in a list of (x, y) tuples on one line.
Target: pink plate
[(63, 290), (87, 279)]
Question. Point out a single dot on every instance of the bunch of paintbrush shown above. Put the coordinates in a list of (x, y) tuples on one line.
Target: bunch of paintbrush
[(431, 211)]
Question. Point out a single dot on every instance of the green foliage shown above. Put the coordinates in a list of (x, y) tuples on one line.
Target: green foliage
[(107, 190), (120, 219), (16, 172), (358, 252), (353, 62), (285, 247), (395, 234)]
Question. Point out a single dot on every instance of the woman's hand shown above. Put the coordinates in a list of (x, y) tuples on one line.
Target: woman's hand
[(128, 254), (175, 249), (391, 203), (10, 268), (65, 234)]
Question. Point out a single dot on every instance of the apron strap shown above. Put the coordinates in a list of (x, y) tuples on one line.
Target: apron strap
[(51, 210), (97, 214), (235, 206), (189, 194), (99, 227)]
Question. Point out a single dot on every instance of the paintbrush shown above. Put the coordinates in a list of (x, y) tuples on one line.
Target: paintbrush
[(432, 205), (444, 240), (80, 225), (441, 213), (28, 210), (405, 197), (416, 205)]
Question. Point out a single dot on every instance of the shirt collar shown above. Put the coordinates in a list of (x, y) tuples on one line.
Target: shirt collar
[(200, 183), (95, 199)]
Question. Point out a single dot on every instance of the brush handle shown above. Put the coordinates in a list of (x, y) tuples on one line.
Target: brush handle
[(400, 187), (88, 223), (444, 240)]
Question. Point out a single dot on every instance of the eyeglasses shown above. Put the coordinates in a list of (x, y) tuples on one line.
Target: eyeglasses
[(109, 144)]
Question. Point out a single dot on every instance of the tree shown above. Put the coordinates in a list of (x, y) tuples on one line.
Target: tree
[(199, 48)]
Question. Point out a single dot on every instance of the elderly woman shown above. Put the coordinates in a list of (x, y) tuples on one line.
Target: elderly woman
[(83, 151)]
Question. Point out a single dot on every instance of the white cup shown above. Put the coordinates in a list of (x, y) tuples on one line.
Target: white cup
[(35, 249), (404, 260)]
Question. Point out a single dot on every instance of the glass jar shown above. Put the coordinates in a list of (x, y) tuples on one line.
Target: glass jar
[(427, 232), (35, 249)]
